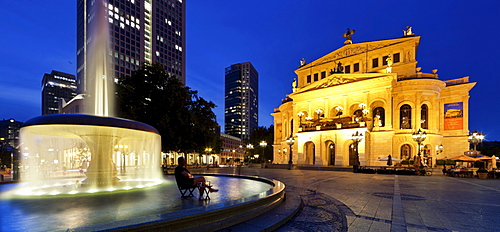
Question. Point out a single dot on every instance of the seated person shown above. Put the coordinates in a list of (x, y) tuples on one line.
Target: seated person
[(185, 179)]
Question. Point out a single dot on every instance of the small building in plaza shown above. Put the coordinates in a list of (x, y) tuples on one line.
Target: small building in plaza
[(374, 89)]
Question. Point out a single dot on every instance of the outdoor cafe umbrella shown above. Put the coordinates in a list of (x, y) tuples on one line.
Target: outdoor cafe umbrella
[(464, 158)]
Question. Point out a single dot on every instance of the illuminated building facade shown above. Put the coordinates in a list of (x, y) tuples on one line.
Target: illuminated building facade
[(57, 88), (374, 89), (232, 149), (140, 31), (241, 100)]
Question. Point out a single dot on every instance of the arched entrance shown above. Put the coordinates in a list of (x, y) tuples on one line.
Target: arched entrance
[(310, 150), (352, 154), (330, 153), (405, 152)]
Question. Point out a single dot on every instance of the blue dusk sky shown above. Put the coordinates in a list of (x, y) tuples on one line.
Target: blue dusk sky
[(458, 37)]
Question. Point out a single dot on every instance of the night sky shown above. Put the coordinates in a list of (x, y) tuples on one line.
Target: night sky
[(459, 38)]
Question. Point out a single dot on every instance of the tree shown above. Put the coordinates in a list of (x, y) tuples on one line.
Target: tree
[(258, 135), (184, 120)]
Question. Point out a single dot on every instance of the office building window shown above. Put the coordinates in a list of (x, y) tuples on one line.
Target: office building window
[(356, 67), (315, 77), (323, 74), (308, 78)]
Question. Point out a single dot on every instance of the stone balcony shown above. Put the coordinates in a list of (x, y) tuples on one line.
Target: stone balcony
[(331, 124)]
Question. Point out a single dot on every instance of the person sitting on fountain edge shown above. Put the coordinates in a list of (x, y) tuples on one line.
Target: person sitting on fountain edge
[(184, 177)]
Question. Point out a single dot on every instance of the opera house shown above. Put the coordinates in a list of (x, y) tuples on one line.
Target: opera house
[(368, 100)]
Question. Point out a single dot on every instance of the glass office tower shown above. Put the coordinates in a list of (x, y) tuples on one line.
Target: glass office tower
[(241, 100), (139, 31)]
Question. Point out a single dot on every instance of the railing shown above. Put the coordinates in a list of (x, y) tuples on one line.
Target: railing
[(324, 127), (417, 76), (458, 81)]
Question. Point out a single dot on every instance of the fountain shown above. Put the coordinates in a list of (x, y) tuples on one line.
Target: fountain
[(87, 172), (91, 152)]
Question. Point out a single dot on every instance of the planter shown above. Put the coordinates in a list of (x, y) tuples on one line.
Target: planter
[(482, 175)]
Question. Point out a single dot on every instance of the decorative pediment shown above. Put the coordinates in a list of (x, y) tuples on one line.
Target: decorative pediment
[(357, 48), (336, 80)]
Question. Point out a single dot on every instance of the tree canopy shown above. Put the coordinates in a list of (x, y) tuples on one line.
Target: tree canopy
[(184, 120), (258, 135)]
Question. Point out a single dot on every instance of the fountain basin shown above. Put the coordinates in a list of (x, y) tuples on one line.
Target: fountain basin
[(90, 152), (161, 206)]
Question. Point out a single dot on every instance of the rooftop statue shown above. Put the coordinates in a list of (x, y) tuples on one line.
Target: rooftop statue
[(348, 36), (408, 31), (302, 62)]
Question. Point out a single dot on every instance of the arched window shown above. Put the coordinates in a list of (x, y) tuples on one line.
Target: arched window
[(405, 117), (378, 117), (424, 116), (405, 152)]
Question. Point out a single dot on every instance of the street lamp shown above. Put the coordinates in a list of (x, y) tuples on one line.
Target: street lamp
[(290, 141), (263, 144), (356, 139), (419, 137), (319, 112), (439, 149), (475, 138), (300, 114), (249, 147)]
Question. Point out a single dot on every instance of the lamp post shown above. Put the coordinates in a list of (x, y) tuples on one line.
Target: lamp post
[(439, 149), (263, 144), (319, 112), (475, 138), (300, 114), (419, 137), (290, 141), (356, 139), (249, 147)]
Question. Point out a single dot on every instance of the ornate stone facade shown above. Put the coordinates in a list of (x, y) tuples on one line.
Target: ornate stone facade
[(330, 104)]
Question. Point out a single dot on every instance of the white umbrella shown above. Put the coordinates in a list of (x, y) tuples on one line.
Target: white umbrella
[(387, 158)]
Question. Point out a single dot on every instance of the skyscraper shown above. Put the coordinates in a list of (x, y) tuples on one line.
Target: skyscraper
[(139, 31), (56, 86), (241, 100)]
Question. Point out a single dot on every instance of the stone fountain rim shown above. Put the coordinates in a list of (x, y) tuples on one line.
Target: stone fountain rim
[(91, 120)]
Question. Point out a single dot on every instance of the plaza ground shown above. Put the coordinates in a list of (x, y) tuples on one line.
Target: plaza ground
[(346, 201)]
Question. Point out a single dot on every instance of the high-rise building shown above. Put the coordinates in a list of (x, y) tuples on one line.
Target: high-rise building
[(241, 100), (56, 87), (9, 132), (139, 31)]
